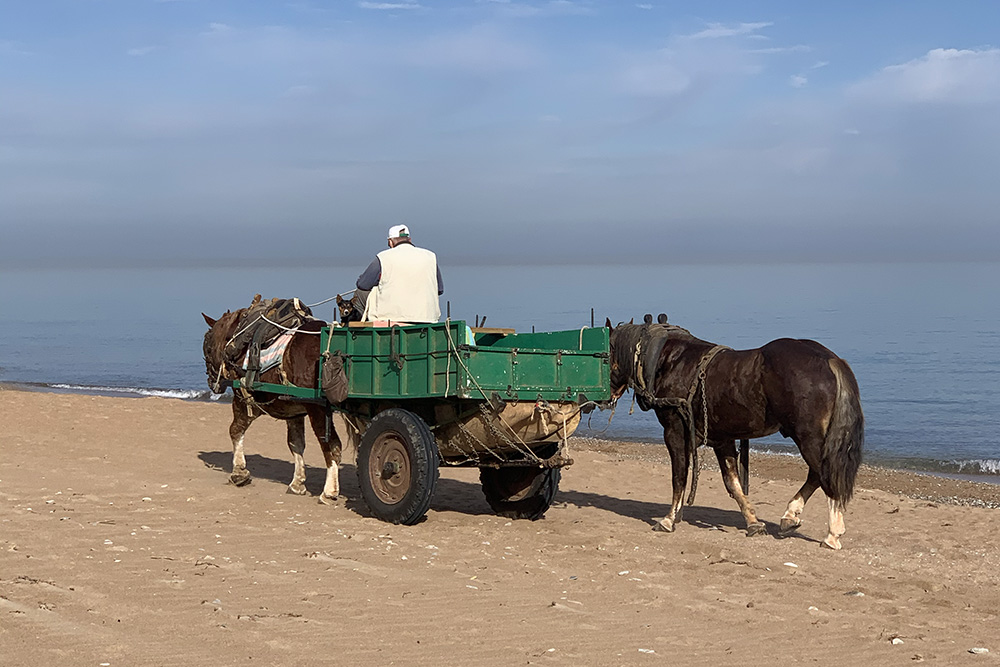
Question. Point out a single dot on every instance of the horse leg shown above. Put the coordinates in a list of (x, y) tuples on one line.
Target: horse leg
[(679, 463), (297, 446), (331, 454), (836, 525), (242, 418), (725, 452), (790, 520)]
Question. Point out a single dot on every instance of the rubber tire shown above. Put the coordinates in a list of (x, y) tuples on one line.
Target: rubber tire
[(499, 484), (422, 452)]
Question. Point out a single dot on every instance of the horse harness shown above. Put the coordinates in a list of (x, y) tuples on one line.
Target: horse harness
[(647, 352), (261, 323)]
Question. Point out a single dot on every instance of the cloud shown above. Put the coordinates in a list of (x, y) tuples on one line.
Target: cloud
[(644, 6), (661, 74), (797, 81), (480, 49), (945, 76), (820, 64), (390, 6), (300, 91), (774, 50), (8, 47), (690, 66), (218, 29), (509, 9), (717, 30), (141, 51)]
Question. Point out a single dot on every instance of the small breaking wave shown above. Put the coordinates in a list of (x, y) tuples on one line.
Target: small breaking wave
[(183, 394), (979, 466)]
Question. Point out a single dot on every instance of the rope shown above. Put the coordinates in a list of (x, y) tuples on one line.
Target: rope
[(320, 303), (452, 348), (296, 330), (684, 406), (217, 386), (489, 418)]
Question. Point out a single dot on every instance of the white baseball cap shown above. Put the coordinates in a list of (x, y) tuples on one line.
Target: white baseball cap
[(397, 231)]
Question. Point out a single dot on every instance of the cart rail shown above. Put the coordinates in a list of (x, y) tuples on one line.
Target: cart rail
[(448, 360)]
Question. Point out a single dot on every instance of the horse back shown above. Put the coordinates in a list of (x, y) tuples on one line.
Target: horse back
[(801, 383), (300, 362)]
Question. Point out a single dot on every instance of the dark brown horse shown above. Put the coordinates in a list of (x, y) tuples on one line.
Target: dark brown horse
[(300, 366), (794, 387)]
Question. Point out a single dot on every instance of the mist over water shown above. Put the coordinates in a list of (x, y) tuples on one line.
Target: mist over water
[(923, 339)]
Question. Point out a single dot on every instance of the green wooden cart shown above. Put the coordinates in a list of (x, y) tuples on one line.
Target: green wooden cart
[(427, 395)]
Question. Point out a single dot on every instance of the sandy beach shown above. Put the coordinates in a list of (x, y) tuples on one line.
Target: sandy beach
[(121, 543)]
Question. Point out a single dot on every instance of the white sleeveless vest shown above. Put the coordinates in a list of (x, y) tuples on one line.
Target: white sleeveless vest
[(407, 290)]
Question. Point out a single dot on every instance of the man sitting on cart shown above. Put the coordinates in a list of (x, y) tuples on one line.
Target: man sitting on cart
[(402, 284)]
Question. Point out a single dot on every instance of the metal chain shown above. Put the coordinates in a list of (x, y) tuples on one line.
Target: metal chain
[(489, 418)]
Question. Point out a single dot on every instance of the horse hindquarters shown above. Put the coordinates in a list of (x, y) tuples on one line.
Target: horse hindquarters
[(816, 399)]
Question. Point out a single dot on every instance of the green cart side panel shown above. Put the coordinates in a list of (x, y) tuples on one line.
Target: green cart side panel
[(437, 360), (399, 362), (527, 374), (586, 339)]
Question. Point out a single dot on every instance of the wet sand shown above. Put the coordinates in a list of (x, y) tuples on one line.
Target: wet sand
[(122, 543)]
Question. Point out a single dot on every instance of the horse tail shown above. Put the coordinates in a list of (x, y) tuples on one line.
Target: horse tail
[(845, 437)]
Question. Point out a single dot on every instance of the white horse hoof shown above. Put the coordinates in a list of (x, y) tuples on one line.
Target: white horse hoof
[(327, 500), (832, 542), (297, 490)]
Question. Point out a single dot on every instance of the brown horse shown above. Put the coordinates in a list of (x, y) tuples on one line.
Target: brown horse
[(794, 387), (300, 366)]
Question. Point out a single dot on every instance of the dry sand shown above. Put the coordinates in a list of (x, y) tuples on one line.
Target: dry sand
[(122, 544)]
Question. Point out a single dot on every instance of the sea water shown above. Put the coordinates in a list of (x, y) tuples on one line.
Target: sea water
[(923, 339)]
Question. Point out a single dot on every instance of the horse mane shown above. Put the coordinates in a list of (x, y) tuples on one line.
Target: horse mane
[(625, 338)]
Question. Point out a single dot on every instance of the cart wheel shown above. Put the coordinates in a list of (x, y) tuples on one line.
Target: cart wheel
[(520, 493), (398, 466)]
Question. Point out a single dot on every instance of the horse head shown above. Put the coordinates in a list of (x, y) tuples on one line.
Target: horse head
[(214, 347), (621, 367)]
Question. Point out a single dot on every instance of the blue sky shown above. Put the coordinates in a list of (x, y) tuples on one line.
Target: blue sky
[(510, 131)]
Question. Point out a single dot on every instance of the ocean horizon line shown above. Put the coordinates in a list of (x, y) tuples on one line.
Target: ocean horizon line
[(106, 264)]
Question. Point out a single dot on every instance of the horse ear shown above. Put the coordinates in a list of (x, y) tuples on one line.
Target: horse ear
[(209, 320), (632, 321), (607, 323), (256, 300)]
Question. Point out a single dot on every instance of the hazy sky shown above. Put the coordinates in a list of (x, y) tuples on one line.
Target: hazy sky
[(553, 130)]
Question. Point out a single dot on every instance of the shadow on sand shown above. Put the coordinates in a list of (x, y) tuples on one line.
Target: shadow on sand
[(451, 495)]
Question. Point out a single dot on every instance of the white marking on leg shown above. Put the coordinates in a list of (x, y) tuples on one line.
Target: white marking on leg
[(298, 485), (836, 525), (332, 487), (239, 461), (297, 445), (795, 507)]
